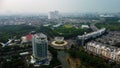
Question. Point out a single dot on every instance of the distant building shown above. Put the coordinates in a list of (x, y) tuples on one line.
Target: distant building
[(40, 48), (24, 53), (46, 25), (106, 15), (53, 15), (84, 26), (24, 39), (27, 38), (57, 25), (108, 18)]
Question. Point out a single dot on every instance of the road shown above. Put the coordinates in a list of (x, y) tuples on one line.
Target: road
[(93, 27), (62, 56)]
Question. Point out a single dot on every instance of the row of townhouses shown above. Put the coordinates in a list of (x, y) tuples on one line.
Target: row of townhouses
[(85, 37), (92, 34), (109, 52)]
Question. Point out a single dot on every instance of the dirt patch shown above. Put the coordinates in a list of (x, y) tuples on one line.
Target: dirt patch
[(74, 62)]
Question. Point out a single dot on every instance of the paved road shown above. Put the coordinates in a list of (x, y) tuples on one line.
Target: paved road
[(62, 56), (93, 27)]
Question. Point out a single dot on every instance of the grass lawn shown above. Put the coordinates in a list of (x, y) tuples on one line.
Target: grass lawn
[(68, 26)]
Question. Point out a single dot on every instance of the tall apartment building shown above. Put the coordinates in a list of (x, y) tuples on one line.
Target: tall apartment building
[(53, 15), (40, 47)]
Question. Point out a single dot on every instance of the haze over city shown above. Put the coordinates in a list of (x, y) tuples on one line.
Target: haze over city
[(44, 6), (59, 33)]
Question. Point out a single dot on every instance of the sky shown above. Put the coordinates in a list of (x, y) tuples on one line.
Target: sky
[(44, 6)]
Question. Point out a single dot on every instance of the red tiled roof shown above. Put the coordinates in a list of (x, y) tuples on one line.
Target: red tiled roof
[(29, 37)]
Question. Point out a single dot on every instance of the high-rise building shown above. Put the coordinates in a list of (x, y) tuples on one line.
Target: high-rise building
[(40, 47), (53, 15)]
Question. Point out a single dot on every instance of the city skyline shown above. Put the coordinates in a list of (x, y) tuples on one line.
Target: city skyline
[(44, 6)]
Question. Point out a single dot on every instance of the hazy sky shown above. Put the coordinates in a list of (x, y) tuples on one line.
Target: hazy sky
[(18, 6)]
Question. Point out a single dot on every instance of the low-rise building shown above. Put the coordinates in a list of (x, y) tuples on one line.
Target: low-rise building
[(109, 52), (82, 38), (84, 26)]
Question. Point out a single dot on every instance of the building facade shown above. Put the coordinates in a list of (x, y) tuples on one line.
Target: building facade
[(109, 52), (40, 47), (82, 38)]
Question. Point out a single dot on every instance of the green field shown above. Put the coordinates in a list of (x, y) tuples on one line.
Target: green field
[(69, 32), (115, 26), (68, 26)]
